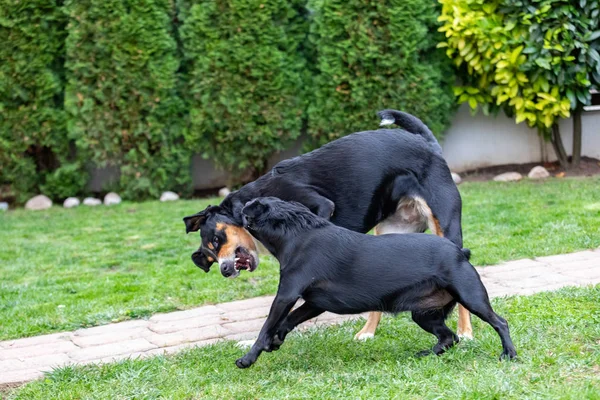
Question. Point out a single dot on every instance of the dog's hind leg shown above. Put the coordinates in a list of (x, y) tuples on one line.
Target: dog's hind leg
[(368, 331), (301, 314), (467, 288), (433, 321), (464, 328), (407, 218)]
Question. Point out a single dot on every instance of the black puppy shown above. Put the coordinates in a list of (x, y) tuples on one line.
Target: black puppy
[(393, 180), (338, 270)]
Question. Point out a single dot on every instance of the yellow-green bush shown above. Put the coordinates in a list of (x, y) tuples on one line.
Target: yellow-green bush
[(537, 59)]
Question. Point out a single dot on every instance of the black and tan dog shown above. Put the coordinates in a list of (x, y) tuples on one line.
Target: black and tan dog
[(345, 272), (393, 180)]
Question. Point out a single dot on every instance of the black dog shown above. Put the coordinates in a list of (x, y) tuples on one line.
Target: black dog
[(394, 180), (335, 269)]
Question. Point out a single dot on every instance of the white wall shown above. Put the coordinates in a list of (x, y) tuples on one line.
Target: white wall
[(471, 142), (481, 141)]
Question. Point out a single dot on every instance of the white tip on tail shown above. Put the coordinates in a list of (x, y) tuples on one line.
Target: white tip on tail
[(387, 121)]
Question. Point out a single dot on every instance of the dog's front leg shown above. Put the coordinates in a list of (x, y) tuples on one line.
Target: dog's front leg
[(279, 310)]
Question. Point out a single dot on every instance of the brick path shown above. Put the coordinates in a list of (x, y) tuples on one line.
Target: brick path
[(22, 360)]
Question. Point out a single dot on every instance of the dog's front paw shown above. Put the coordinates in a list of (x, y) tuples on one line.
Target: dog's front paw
[(424, 353), (244, 362), (508, 354)]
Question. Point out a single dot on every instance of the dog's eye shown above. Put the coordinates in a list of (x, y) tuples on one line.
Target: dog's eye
[(216, 241)]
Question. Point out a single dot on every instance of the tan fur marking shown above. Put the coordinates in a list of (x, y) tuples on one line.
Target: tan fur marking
[(437, 299), (464, 322), (210, 246), (236, 237), (371, 325), (432, 222)]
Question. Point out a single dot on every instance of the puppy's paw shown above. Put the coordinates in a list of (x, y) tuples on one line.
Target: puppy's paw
[(364, 336), (424, 353), (508, 354), (244, 344), (244, 362)]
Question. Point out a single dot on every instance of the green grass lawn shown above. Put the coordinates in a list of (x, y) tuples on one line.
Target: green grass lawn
[(65, 269), (556, 334)]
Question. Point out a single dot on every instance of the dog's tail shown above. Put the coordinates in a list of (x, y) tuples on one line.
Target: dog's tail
[(467, 253), (411, 124)]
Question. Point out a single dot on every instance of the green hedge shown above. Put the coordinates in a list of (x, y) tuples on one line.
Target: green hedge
[(32, 124), (121, 94), (246, 76), (144, 84), (374, 55)]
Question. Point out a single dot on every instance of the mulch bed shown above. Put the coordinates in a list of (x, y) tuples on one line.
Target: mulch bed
[(588, 167)]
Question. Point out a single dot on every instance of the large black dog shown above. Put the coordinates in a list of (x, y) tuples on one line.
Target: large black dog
[(392, 179), (338, 270)]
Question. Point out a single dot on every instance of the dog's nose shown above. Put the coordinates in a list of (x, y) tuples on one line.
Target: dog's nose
[(227, 269)]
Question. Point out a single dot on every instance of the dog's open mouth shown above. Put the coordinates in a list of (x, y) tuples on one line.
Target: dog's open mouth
[(244, 260)]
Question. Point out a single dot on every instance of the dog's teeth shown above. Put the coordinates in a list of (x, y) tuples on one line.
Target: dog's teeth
[(237, 259)]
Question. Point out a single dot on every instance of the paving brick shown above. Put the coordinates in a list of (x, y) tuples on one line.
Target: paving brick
[(33, 341), (576, 265), (547, 279), (112, 328), (547, 288), (20, 376), (569, 257), (250, 335), (512, 277), (181, 315), (510, 266), (113, 349), (112, 337), (188, 335), (56, 347), (245, 315), (264, 301), (156, 352), (591, 275), (188, 323), (245, 326), (43, 363)]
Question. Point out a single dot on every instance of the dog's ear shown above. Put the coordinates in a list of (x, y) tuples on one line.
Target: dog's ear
[(201, 260), (194, 222), (255, 208)]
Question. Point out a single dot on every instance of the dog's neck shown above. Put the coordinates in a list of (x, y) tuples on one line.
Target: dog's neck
[(280, 236)]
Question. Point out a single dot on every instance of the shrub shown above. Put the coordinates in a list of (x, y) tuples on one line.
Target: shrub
[(245, 78), (121, 94), (33, 139), (67, 180), (375, 55), (536, 59)]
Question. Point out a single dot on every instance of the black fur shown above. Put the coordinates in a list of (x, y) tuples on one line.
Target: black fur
[(355, 181), (335, 269)]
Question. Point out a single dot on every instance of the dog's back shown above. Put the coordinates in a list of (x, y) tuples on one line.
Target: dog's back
[(355, 273)]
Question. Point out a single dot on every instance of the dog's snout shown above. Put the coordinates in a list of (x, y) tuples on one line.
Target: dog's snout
[(227, 269)]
